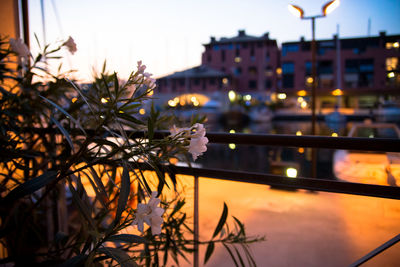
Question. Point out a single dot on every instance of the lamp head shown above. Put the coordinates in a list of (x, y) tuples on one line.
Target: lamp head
[(296, 10), (330, 6)]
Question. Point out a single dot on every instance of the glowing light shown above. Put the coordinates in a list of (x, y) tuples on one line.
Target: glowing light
[(247, 97), (335, 135), (302, 93), (232, 131), (196, 104), (299, 133), (142, 111), (301, 150), (102, 116), (300, 99), (396, 45), (193, 99), (329, 7), (391, 74), (337, 92), (150, 93), (291, 172), (232, 95), (225, 80), (296, 11), (73, 100), (232, 146), (282, 96), (104, 100), (176, 100), (278, 71), (303, 105), (172, 103), (309, 80), (238, 59)]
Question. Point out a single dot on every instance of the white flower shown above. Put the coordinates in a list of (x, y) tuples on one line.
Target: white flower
[(140, 67), (150, 214), (196, 133), (198, 146), (70, 45), (19, 47)]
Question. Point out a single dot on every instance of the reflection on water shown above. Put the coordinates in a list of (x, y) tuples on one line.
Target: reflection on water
[(266, 158)]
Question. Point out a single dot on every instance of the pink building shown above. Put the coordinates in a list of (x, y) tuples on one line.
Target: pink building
[(369, 68)]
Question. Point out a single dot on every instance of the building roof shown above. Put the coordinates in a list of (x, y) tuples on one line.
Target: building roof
[(201, 71), (347, 43), (241, 37)]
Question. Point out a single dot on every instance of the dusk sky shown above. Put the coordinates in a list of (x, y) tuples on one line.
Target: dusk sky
[(168, 34)]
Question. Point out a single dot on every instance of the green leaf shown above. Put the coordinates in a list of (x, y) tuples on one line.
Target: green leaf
[(231, 254), (31, 186), (119, 255), (80, 204), (222, 220), (65, 113), (127, 238), (239, 256), (209, 251), (150, 128), (64, 132), (124, 193), (78, 260), (129, 118)]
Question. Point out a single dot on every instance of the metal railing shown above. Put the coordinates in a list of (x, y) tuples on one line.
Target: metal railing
[(347, 143), (332, 186)]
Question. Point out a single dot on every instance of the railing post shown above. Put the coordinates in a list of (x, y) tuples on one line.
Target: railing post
[(196, 222)]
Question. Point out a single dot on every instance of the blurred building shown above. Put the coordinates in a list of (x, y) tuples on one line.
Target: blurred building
[(368, 71), (244, 63)]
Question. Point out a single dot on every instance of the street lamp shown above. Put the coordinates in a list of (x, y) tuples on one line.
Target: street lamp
[(299, 12)]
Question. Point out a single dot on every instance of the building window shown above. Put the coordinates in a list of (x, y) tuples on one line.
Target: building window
[(223, 69), (212, 81), (223, 55), (268, 71), (237, 52), (289, 48), (204, 84), (252, 84), (238, 59), (391, 45), (359, 73), (237, 71), (288, 68), (288, 81), (268, 84), (253, 70), (308, 66), (181, 82), (325, 67), (392, 63), (196, 81), (209, 58)]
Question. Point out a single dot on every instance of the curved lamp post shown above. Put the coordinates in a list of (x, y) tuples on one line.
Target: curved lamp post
[(299, 12)]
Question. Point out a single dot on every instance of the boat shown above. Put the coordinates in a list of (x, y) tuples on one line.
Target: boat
[(382, 168), (387, 112), (261, 115)]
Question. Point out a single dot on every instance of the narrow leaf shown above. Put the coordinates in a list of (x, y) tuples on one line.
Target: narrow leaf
[(65, 113), (222, 220), (31, 186), (127, 238), (124, 193), (119, 255), (209, 251), (64, 132), (231, 254)]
